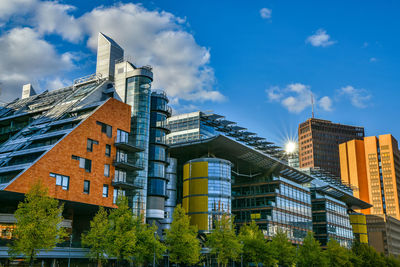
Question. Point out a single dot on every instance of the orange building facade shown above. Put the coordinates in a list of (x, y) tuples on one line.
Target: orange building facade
[(372, 167), (59, 160)]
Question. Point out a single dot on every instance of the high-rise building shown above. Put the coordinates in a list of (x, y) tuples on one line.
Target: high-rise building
[(372, 166), (319, 143)]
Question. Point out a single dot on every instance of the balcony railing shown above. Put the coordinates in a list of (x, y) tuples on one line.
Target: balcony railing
[(128, 183), (163, 125), (127, 145), (129, 165)]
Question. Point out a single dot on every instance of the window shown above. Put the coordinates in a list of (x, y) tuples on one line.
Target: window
[(84, 163), (122, 136), (86, 187), (108, 150), (89, 146), (105, 128), (105, 190), (61, 180), (106, 170)]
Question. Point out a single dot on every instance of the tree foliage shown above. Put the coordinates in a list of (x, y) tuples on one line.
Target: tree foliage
[(338, 256), (256, 249), (38, 224), (310, 253), (367, 256), (147, 243), (122, 235), (97, 238), (285, 251), (223, 242), (181, 240)]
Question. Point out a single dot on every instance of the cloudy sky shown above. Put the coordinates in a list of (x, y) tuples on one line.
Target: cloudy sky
[(256, 62)]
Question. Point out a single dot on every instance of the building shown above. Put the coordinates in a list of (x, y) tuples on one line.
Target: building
[(264, 187), (384, 234), (319, 143), (373, 166), (102, 137)]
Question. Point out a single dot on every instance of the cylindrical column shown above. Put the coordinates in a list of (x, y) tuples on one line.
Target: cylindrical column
[(206, 191)]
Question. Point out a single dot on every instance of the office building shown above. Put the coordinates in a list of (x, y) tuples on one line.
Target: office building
[(88, 143), (319, 143), (373, 166), (264, 187), (384, 234)]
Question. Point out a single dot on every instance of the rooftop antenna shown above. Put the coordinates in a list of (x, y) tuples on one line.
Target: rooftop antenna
[(312, 105)]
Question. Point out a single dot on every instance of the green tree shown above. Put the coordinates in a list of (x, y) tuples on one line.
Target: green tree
[(223, 242), (285, 251), (392, 261), (122, 232), (256, 249), (147, 243), (38, 224), (336, 255), (367, 256), (97, 238), (310, 253), (181, 240)]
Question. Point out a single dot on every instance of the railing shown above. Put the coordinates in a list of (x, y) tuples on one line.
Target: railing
[(128, 144), (127, 164), (88, 78)]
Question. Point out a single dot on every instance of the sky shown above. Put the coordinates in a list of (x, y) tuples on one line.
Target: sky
[(258, 63)]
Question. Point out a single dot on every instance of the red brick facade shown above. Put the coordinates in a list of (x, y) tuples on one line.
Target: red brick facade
[(59, 159)]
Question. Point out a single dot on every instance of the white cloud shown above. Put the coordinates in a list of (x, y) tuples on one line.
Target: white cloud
[(325, 103), (157, 38), (25, 57), (320, 38), (296, 97), (265, 13), (358, 97), (373, 59)]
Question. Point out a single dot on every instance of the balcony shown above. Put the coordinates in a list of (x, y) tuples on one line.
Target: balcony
[(128, 183), (128, 165), (163, 125), (127, 145)]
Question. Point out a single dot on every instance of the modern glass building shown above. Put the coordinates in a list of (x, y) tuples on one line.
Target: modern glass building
[(206, 191), (157, 180), (265, 188), (170, 202), (273, 202), (331, 220)]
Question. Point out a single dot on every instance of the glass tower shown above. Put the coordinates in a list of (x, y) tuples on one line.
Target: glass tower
[(157, 183), (138, 92)]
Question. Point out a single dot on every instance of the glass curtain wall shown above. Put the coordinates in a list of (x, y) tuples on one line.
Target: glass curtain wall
[(138, 92)]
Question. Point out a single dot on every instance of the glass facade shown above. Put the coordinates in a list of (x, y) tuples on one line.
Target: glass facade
[(274, 203), (157, 181), (188, 128), (138, 92), (331, 220)]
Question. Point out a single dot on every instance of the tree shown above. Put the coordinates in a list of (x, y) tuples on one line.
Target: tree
[(122, 232), (310, 253), (285, 251), (38, 224), (97, 238), (367, 255), (336, 255), (223, 242), (392, 261), (147, 243), (181, 239), (255, 247)]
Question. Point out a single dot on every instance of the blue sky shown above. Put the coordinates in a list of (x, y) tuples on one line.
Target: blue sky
[(256, 62)]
